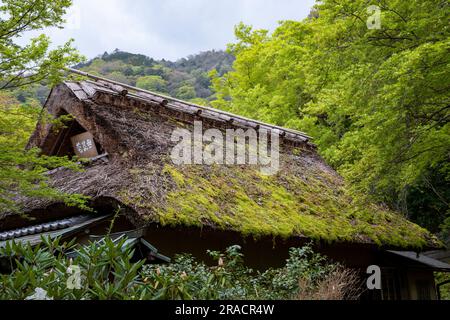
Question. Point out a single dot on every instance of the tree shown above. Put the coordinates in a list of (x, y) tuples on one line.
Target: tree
[(119, 77), (152, 83), (186, 92), (33, 62), (22, 171), (376, 100)]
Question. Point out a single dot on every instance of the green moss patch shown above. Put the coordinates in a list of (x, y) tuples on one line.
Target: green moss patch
[(288, 204)]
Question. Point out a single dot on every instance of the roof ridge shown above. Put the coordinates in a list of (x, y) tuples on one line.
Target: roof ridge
[(123, 91)]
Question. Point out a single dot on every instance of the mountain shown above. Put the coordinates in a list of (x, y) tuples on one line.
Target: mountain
[(186, 78)]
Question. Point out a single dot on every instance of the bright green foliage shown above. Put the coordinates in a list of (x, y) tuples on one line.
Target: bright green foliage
[(200, 101), (152, 83), (186, 92), (101, 271), (376, 100), (22, 172), (34, 62)]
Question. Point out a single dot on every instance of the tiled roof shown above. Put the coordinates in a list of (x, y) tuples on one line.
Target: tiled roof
[(423, 259), (33, 233)]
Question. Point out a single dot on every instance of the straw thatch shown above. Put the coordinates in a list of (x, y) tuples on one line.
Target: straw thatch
[(306, 198)]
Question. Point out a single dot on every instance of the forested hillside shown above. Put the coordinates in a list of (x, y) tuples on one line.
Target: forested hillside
[(187, 78)]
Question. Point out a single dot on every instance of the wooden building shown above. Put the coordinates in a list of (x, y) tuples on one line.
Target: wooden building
[(167, 209)]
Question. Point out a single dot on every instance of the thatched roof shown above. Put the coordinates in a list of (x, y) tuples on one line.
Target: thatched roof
[(306, 198)]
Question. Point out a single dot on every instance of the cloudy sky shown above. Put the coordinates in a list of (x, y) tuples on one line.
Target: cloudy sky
[(169, 29)]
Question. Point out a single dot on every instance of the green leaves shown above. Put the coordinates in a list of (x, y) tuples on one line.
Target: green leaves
[(375, 100), (34, 62), (105, 271), (152, 83), (22, 172), (231, 279)]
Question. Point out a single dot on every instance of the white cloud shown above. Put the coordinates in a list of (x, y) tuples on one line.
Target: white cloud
[(169, 29)]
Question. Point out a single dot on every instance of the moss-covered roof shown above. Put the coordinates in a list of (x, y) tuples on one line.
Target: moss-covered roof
[(306, 198), (313, 205)]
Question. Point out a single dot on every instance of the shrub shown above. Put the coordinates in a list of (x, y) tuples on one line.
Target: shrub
[(103, 270)]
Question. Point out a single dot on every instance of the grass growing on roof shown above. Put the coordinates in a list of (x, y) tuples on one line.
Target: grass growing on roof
[(239, 198)]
